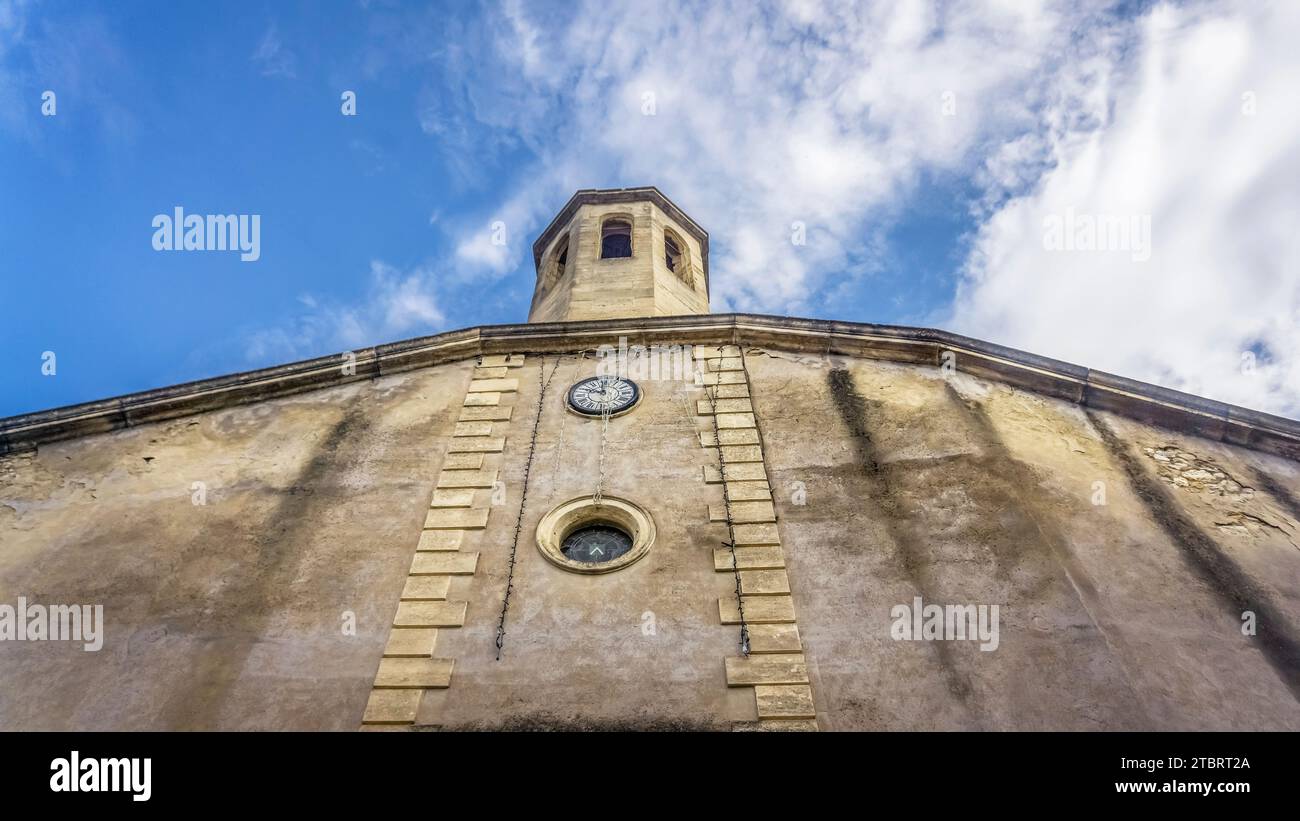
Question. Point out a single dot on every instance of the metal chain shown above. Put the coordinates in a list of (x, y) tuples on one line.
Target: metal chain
[(597, 498), (523, 499), (730, 544)]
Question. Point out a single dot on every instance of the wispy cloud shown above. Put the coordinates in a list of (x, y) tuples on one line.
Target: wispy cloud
[(398, 304), (755, 117), (80, 60), (272, 58)]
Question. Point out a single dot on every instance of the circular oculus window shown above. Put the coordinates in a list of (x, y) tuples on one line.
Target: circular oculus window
[(595, 544), (604, 394), (584, 537)]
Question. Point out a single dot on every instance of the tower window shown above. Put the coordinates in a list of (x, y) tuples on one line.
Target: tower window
[(675, 256), (672, 253), (616, 239), (561, 259)]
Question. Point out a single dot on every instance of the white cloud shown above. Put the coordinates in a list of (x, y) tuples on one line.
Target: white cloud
[(272, 58), (1162, 126), (398, 304), (763, 115), (830, 114)]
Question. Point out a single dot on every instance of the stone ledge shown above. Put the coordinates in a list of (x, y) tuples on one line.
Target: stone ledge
[(1161, 406)]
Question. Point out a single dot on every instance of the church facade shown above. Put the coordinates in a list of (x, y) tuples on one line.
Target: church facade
[(632, 513)]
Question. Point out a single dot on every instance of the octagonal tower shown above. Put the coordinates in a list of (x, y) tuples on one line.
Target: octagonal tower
[(620, 253)]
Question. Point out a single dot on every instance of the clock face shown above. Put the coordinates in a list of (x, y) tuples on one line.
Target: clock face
[(594, 396)]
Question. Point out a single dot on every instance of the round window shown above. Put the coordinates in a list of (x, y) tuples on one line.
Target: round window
[(596, 543), (586, 536)]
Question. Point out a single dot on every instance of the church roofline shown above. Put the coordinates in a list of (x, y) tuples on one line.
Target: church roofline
[(605, 196), (1095, 389)]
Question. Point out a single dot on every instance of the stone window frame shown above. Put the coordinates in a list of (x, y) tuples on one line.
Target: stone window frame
[(605, 219), (550, 273), (583, 511), (683, 270)]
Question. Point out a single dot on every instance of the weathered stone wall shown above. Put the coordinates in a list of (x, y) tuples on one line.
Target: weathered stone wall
[(962, 491), (1122, 615), (639, 647), (228, 614)]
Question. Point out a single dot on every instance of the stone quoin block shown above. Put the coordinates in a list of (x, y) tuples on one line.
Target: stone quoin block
[(744, 512), (748, 491), (757, 534), (450, 564), (452, 498), (734, 436), (721, 378), (456, 519), (472, 429), (778, 668), (705, 407), (482, 399), (462, 461), (763, 583), (774, 638), (499, 413), (430, 614), (426, 588), (736, 454), (493, 385), (784, 701), (467, 479), (476, 444), (413, 643), (743, 472), (750, 557), (758, 610), (735, 420), (392, 707), (739, 390), (438, 540), (411, 673)]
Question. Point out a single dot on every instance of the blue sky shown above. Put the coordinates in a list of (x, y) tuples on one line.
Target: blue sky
[(922, 145)]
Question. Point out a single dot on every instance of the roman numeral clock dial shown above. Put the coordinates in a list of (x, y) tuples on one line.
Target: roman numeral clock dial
[(603, 394)]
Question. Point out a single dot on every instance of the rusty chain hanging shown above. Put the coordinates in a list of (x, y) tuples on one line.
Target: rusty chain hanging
[(598, 497), (523, 498)]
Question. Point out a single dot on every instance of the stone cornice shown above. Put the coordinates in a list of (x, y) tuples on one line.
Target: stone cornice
[(1096, 389)]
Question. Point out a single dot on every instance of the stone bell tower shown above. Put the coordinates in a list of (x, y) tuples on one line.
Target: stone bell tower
[(618, 253)]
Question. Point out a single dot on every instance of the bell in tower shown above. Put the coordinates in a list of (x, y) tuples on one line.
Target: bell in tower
[(619, 253)]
